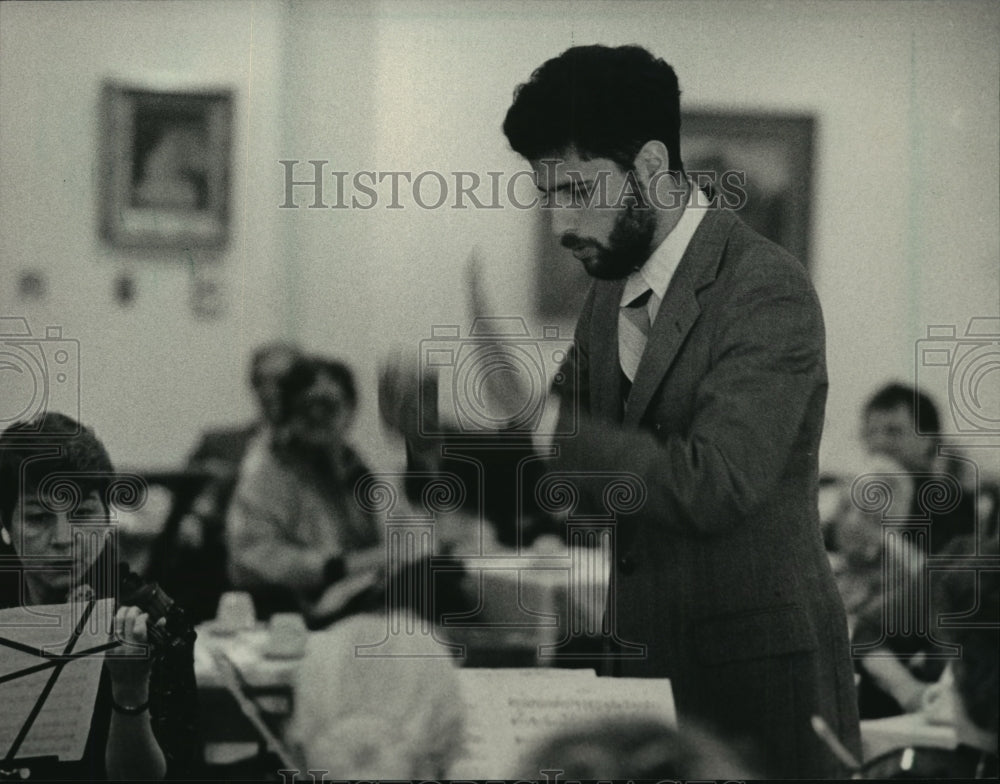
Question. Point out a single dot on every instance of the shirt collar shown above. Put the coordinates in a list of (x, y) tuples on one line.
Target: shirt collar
[(659, 269)]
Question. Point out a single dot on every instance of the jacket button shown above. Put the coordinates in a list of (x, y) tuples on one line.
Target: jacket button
[(626, 564)]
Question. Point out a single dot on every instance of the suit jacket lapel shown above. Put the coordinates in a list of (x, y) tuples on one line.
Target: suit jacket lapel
[(605, 379), (678, 311)]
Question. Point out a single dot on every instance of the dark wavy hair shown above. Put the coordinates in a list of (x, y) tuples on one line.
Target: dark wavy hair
[(601, 102), (34, 449), (303, 374), (920, 406)]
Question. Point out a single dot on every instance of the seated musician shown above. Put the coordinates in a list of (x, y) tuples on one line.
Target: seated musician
[(901, 423), (294, 528), (899, 427), (893, 675), (968, 693), (145, 720), (189, 558), (220, 452), (975, 678)]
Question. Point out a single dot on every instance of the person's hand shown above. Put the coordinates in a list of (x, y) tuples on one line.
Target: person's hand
[(938, 702), (189, 531), (505, 391), (911, 697), (130, 663), (917, 662), (399, 393)]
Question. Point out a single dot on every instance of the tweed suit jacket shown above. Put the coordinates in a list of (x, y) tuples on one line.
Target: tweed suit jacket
[(721, 576)]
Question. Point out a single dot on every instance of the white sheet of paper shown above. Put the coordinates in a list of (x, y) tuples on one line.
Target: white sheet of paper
[(61, 727), (508, 711)]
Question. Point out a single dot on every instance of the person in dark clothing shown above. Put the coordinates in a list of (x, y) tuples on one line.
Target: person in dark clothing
[(145, 719), (189, 559), (971, 682), (902, 423)]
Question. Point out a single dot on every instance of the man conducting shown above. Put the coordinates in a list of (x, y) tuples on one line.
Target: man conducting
[(700, 364)]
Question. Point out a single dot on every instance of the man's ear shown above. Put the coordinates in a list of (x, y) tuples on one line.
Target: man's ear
[(651, 158), (5, 535)]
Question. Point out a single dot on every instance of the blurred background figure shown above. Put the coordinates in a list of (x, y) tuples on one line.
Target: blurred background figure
[(145, 720), (394, 713), (899, 430), (633, 748), (854, 537), (902, 424), (189, 557), (893, 676), (968, 694), (294, 527), (500, 467), (497, 470)]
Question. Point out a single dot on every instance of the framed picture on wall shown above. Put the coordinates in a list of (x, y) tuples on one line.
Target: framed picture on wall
[(772, 154), (759, 165), (165, 166)]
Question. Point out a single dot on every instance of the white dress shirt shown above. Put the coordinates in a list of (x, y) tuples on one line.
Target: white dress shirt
[(659, 269)]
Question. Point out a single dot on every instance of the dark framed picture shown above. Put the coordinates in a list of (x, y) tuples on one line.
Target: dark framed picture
[(165, 166), (766, 156), (759, 165)]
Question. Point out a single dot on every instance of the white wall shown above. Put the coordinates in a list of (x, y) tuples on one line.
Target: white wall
[(905, 212), (151, 375), (906, 200)]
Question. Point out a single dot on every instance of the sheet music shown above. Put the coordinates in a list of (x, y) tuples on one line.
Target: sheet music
[(36, 644), (508, 711)]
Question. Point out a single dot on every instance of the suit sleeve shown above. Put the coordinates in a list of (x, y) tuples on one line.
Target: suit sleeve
[(750, 413)]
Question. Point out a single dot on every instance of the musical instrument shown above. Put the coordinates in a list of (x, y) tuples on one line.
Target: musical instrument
[(151, 599)]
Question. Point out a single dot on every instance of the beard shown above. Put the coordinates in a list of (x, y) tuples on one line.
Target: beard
[(630, 244)]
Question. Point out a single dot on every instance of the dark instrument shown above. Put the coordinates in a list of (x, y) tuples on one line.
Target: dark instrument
[(150, 598)]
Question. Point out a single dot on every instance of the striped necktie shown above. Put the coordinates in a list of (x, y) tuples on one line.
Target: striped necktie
[(633, 329)]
